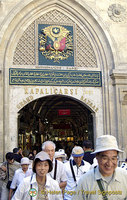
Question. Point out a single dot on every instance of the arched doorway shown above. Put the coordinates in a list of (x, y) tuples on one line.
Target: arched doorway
[(62, 119), (93, 50)]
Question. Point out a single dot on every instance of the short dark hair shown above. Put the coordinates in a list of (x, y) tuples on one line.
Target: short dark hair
[(31, 156), (15, 150), (87, 144), (9, 156), (38, 160)]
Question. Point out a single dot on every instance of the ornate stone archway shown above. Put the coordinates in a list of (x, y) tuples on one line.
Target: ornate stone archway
[(60, 118), (92, 52)]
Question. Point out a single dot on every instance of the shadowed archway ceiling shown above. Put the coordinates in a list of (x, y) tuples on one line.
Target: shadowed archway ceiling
[(47, 109)]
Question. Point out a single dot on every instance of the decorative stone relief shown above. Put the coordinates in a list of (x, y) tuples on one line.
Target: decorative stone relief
[(123, 96), (117, 13), (124, 102), (26, 52)]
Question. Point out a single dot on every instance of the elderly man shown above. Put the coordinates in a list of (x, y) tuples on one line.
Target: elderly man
[(58, 173), (75, 168), (106, 181)]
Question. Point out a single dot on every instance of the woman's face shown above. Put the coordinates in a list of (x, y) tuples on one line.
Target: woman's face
[(42, 168)]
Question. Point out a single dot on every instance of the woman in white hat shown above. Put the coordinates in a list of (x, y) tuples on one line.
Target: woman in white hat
[(39, 186), (20, 174), (60, 155)]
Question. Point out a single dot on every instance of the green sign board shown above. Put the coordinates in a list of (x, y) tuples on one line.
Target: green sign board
[(49, 77)]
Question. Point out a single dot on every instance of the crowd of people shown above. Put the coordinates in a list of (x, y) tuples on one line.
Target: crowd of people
[(85, 174)]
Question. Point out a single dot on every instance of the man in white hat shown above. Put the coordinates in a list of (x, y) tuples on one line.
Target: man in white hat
[(106, 181), (75, 168)]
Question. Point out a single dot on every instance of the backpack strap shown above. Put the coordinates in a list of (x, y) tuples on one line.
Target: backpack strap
[(8, 170), (72, 170), (104, 196), (31, 185), (55, 170)]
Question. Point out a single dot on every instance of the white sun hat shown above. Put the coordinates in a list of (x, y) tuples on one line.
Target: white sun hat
[(42, 156), (60, 154), (25, 161), (105, 143)]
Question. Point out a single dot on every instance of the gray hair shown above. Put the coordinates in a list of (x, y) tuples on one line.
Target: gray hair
[(48, 143)]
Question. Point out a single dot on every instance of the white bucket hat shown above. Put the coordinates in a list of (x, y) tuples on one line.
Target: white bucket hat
[(105, 143), (60, 154), (42, 155), (25, 161)]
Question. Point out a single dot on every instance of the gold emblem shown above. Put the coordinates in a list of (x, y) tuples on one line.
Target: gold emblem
[(56, 43)]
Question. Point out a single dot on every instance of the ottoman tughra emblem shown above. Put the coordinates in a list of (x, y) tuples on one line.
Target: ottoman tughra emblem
[(117, 13), (56, 43)]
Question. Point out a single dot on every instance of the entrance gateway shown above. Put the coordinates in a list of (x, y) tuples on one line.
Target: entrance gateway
[(65, 117), (59, 97), (57, 78), (58, 117)]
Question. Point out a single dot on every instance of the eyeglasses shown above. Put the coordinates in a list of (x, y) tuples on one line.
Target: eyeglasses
[(107, 159)]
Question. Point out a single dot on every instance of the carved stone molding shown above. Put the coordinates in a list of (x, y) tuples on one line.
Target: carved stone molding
[(123, 96), (117, 13), (119, 77)]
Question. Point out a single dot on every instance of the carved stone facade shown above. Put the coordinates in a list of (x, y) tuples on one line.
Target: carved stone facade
[(27, 48), (100, 44)]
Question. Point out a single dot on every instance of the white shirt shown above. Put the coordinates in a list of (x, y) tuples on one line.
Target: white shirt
[(31, 164), (95, 163), (88, 188), (22, 192), (60, 173), (78, 171), (19, 176)]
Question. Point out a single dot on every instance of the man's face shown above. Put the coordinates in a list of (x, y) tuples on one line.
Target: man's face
[(78, 160), (10, 161), (50, 150), (24, 167), (60, 159), (107, 162)]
